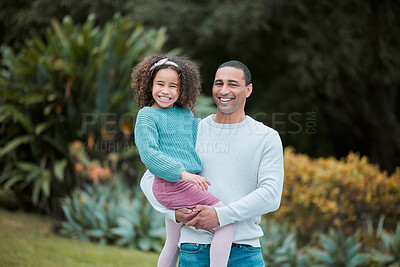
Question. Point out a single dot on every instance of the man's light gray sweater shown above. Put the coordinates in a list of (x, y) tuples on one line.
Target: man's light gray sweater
[(244, 163)]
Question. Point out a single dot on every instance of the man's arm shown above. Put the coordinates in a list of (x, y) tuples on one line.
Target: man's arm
[(146, 184), (180, 215), (266, 198)]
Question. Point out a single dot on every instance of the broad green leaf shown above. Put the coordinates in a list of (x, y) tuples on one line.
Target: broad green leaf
[(60, 33), (136, 33), (351, 252), (59, 167), (7, 174), (124, 232), (45, 183), (32, 99), (327, 242), (14, 143), (48, 109), (27, 166), (359, 259), (29, 178), (21, 118), (108, 31), (4, 114), (13, 180), (64, 65), (144, 243), (95, 233), (386, 239), (42, 127), (322, 256), (156, 245), (156, 232)]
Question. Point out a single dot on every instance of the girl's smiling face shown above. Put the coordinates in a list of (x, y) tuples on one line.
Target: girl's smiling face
[(165, 88)]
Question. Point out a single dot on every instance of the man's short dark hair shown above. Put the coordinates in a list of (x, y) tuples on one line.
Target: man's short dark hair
[(238, 65)]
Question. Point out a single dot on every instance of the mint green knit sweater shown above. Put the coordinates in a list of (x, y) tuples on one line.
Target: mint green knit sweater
[(166, 141)]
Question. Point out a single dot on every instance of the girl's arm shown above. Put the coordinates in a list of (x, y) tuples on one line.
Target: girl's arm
[(200, 181), (146, 139)]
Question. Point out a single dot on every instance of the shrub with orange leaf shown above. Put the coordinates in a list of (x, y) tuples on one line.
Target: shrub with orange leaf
[(96, 172), (326, 192), (90, 169)]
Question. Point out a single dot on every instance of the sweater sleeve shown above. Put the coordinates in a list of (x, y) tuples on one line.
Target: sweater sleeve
[(266, 198), (146, 184), (146, 139)]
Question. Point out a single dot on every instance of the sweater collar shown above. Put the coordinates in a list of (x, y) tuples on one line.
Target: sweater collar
[(211, 122)]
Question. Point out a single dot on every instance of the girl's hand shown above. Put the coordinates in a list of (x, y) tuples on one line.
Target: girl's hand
[(201, 182)]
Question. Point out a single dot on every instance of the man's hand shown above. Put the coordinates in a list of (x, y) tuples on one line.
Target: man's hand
[(207, 218), (201, 182), (184, 215)]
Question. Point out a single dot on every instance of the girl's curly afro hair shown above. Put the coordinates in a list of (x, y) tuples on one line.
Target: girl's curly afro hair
[(189, 75)]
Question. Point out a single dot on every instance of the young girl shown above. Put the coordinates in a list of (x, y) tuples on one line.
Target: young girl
[(165, 133)]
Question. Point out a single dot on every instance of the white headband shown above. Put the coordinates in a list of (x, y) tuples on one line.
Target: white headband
[(162, 62)]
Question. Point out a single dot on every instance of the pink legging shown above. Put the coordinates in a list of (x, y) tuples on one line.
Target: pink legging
[(219, 250)]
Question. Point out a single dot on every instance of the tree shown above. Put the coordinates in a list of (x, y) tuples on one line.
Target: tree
[(60, 89), (337, 60), (325, 73)]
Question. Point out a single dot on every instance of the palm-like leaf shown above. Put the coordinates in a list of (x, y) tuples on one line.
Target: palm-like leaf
[(339, 250), (107, 214), (52, 83), (390, 254)]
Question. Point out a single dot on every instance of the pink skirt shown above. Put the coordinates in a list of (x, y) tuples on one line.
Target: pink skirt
[(181, 194)]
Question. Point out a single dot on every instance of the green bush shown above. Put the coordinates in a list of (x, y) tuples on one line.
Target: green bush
[(339, 250), (279, 245), (92, 212), (346, 194), (388, 254), (108, 214), (62, 89)]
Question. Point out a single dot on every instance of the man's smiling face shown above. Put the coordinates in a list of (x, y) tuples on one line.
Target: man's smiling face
[(230, 90)]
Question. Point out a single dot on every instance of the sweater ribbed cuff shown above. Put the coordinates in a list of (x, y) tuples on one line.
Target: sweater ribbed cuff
[(223, 216), (178, 174), (170, 214)]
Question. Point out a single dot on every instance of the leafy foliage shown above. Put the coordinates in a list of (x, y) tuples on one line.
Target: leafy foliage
[(24, 16), (325, 192), (74, 85), (339, 251), (333, 58), (337, 59), (92, 212), (389, 253), (279, 245), (109, 214), (279, 248)]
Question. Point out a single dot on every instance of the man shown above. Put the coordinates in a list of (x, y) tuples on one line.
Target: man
[(243, 160)]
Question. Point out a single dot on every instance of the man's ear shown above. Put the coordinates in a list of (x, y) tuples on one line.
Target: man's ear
[(249, 89)]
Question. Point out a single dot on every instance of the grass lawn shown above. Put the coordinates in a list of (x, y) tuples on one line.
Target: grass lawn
[(28, 240)]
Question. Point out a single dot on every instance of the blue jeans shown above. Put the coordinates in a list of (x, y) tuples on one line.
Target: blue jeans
[(198, 255)]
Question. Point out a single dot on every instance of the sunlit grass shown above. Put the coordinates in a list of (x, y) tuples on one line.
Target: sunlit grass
[(28, 240)]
